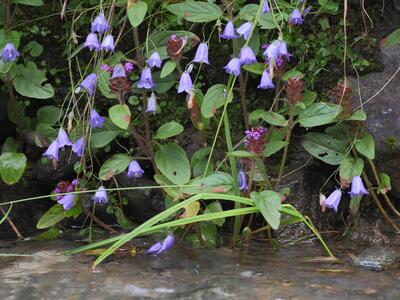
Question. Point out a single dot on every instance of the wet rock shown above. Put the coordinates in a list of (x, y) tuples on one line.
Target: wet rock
[(366, 232), (378, 258)]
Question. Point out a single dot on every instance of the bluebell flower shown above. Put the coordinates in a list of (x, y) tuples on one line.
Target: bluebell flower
[(185, 83), (307, 11), (333, 200), (233, 66), (229, 32), (134, 170), (89, 83), (96, 121), (276, 50), (100, 24), (78, 147), (63, 139), (245, 30), (242, 182), (247, 56), (108, 43), (154, 60), (265, 7), (202, 54), (146, 80), (100, 196), (92, 42), (152, 104), (118, 71), (161, 247), (52, 151), (67, 201), (9, 53), (266, 82), (295, 17), (357, 187)]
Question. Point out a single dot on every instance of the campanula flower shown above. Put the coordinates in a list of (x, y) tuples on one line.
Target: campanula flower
[(96, 121), (63, 139), (146, 80), (106, 68), (202, 54), (229, 32), (242, 182), (100, 196), (295, 17), (9, 53), (276, 50), (134, 170), (265, 7), (247, 56), (67, 201), (92, 42), (118, 71), (357, 187), (108, 43), (333, 200), (52, 151), (233, 66), (245, 30), (161, 247), (128, 66), (89, 83), (78, 147), (307, 11), (266, 82), (100, 24), (185, 83), (154, 60), (152, 104)]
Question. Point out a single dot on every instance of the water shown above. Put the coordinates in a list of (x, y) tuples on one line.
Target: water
[(256, 272)]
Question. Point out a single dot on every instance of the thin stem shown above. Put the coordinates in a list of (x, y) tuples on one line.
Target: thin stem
[(12, 225), (285, 152)]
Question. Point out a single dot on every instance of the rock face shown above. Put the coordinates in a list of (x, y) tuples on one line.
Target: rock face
[(378, 258)]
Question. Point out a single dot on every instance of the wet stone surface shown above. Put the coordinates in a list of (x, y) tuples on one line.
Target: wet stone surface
[(378, 257), (257, 272)]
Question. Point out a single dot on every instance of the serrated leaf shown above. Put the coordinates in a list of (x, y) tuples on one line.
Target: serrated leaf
[(168, 130), (269, 204), (114, 165), (120, 115)]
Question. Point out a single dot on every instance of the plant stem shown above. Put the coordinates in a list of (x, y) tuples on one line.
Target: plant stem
[(12, 225), (285, 152)]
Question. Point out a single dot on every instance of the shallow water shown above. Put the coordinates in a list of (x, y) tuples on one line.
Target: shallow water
[(256, 272)]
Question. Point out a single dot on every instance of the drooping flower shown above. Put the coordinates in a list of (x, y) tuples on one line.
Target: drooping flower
[(96, 121), (100, 196), (92, 42), (134, 170), (265, 7), (295, 17), (100, 24), (242, 182), (233, 66), (128, 66), (78, 147), (276, 52), (118, 71), (245, 30), (247, 56), (146, 80), (9, 53), (154, 60), (108, 43), (63, 139), (67, 201), (307, 11), (266, 82), (65, 187), (333, 200), (52, 151), (161, 247), (202, 54), (154, 248), (89, 83), (255, 140), (152, 104), (106, 68), (357, 187), (229, 32), (185, 83)]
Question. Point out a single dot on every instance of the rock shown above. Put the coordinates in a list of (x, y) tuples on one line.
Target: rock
[(378, 258), (366, 232)]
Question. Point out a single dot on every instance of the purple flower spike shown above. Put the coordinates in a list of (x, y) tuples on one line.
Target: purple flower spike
[(118, 71), (78, 147), (9, 53), (152, 104), (185, 83), (242, 180), (333, 200), (134, 170), (146, 80), (108, 43), (229, 32), (92, 42), (357, 187), (265, 7), (245, 30), (202, 54), (266, 82), (128, 67), (233, 67), (63, 139), (96, 121), (100, 196), (67, 201), (295, 17), (154, 60), (100, 24), (89, 83), (247, 56), (52, 152)]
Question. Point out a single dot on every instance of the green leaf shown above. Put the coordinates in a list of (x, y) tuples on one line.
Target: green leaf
[(120, 115), (358, 115), (292, 74), (12, 166), (256, 68), (102, 81), (168, 68), (168, 130), (214, 99), (318, 114), (51, 217), (122, 220), (366, 146), (172, 161), (101, 137), (175, 193), (269, 204), (48, 114), (114, 165), (385, 185), (218, 182), (191, 210), (28, 82), (324, 147), (136, 12), (197, 12), (34, 48), (273, 147), (163, 84), (392, 39), (48, 235), (29, 2), (308, 98), (248, 12), (351, 167), (215, 207), (199, 162), (10, 145), (270, 117), (242, 153)]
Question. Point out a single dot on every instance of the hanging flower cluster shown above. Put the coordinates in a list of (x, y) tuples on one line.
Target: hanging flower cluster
[(99, 26)]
